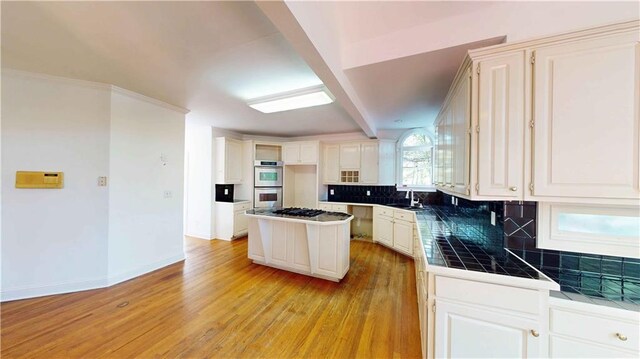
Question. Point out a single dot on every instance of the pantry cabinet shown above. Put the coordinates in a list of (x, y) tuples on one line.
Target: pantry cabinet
[(228, 161), (300, 153), (331, 164), (552, 119)]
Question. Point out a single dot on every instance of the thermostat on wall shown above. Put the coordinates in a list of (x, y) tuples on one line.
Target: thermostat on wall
[(30, 179)]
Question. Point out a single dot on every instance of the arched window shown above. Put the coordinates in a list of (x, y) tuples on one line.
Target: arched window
[(415, 159)]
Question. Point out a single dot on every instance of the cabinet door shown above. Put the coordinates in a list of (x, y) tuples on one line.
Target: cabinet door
[(384, 230), (233, 161), (464, 331), (586, 125), (403, 237), (350, 156), (461, 138), (501, 126), (440, 154), (369, 163), (240, 223), (309, 153), (331, 164), (448, 148), (291, 153)]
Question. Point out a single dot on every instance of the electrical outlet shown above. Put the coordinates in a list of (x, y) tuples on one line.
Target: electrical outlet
[(493, 218), (331, 192), (456, 201), (102, 181), (168, 194), (453, 200), (226, 191), (368, 193)]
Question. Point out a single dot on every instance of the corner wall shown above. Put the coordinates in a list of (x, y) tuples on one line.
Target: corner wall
[(54, 240)]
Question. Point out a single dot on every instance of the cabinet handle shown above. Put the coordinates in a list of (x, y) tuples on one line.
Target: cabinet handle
[(535, 333), (513, 189), (621, 337)]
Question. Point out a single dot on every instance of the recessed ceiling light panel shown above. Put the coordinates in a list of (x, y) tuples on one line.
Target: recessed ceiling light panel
[(307, 97)]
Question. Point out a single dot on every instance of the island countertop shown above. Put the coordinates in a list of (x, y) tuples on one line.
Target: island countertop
[(327, 218)]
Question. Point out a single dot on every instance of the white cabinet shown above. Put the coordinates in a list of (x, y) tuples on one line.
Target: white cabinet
[(486, 320), (394, 229), (331, 164), (350, 156), (364, 162), (228, 161), (584, 330), (586, 103), (403, 236), (553, 119), (369, 163), (300, 153), (333, 207), (230, 220), (466, 331), (500, 128)]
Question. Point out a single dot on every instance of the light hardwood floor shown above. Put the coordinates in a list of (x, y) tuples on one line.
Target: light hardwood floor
[(218, 304)]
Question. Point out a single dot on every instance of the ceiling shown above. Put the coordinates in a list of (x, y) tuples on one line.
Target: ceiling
[(208, 57), (383, 60)]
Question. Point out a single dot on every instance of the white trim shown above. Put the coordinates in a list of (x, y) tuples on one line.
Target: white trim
[(82, 285), (95, 85), (51, 289), (198, 236), (144, 269), (148, 99)]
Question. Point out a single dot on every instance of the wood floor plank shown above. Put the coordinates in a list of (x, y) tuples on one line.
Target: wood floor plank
[(218, 304)]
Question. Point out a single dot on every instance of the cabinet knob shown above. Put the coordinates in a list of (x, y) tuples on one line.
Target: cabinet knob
[(513, 189), (621, 337), (535, 333)]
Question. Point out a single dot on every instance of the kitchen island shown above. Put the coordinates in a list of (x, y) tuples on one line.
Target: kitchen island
[(316, 246)]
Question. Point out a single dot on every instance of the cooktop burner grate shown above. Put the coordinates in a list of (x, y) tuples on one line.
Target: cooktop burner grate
[(300, 212)]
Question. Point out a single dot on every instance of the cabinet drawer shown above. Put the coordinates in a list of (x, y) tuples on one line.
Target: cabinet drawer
[(242, 206), (403, 215), (383, 211), (325, 207), (339, 208), (595, 328), (490, 295)]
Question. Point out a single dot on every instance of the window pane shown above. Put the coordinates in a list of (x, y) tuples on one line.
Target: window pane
[(416, 167), (599, 224), (417, 139)]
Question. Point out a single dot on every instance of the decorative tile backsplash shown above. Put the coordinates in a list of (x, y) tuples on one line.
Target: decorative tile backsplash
[(378, 195)]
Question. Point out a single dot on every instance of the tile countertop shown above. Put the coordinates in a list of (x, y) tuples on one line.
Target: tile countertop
[(458, 245)]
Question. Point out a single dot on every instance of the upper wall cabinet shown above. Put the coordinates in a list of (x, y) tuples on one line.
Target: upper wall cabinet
[(500, 126), (300, 153), (228, 161), (366, 162), (586, 106), (552, 119)]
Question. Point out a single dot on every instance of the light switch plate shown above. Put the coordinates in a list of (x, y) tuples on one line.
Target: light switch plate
[(453, 200), (493, 218), (168, 194), (102, 181), (368, 193), (226, 191)]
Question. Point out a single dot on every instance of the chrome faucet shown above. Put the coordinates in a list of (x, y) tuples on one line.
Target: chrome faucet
[(414, 202)]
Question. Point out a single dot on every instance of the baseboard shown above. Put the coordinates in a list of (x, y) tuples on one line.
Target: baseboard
[(144, 269), (199, 236), (70, 287), (51, 289)]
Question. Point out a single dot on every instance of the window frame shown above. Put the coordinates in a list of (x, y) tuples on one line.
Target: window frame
[(399, 149)]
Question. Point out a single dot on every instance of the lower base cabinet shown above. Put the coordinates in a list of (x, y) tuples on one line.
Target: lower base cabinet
[(231, 223), (486, 320), (394, 229), (583, 330)]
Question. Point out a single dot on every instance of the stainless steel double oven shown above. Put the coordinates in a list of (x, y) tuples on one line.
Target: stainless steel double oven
[(267, 184)]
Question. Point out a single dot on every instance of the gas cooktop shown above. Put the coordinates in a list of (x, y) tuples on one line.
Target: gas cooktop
[(300, 212)]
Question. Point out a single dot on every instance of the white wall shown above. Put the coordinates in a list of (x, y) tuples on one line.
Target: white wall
[(146, 160), (53, 240), (198, 177), (85, 236)]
